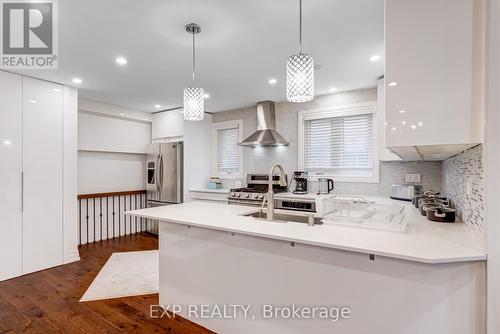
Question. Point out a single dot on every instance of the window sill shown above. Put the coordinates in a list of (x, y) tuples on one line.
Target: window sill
[(228, 176)]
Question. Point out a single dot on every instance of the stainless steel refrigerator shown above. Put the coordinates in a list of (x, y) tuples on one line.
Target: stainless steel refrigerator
[(164, 177)]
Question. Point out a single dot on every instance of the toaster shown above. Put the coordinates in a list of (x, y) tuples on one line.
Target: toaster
[(405, 192)]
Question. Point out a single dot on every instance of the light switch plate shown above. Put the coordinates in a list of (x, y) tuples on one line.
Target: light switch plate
[(412, 178)]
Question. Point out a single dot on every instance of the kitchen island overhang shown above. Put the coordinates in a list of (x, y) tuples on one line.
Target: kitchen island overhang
[(426, 242), (205, 259)]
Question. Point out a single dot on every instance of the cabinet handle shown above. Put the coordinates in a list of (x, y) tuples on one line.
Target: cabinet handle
[(22, 191)]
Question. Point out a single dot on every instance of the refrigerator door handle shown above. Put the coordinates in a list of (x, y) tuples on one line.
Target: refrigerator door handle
[(161, 172), (157, 173)]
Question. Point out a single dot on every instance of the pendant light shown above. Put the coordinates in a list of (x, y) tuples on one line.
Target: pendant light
[(300, 72), (194, 102)]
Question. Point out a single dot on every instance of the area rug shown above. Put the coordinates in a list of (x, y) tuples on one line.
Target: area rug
[(124, 275)]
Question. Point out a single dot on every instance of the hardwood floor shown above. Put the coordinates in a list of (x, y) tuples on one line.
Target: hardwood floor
[(47, 301)]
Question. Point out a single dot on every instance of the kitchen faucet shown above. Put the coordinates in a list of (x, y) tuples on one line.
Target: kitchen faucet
[(270, 192)]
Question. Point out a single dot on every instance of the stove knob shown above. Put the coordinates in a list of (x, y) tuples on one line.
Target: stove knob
[(233, 194), (255, 196), (261, 196), (247, 196), (238, 195)]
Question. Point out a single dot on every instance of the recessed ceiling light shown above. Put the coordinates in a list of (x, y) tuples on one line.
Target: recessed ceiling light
[(402, 111), (7, 143), (420, 123), (57, 89), (413, 126), (393, 84), (332, 89), (403, 122), (122, 114), (77, 81), (32, 101), (158, 106), (272, 81), (206, 96), (394, 128), (121, 61), (374, 58)]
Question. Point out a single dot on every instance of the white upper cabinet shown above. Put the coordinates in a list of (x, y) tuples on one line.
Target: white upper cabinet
[(168, 125), (43, 175), (38, 175), (384, 154), (434, 76)]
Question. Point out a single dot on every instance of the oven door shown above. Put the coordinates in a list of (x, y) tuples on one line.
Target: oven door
[(303, 205)]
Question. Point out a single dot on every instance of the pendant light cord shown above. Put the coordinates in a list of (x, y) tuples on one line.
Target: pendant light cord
[(300, 26), (194, 55)]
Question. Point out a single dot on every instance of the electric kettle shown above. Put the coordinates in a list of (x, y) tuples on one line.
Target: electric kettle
[(325, 186)]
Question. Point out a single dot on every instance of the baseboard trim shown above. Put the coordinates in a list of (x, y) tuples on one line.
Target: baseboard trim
[(73, 256)]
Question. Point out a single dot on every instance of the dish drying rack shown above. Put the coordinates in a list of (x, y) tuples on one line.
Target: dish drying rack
[(363, 213)]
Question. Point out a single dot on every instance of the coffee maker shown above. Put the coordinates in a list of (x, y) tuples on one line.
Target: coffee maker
[(300, 179)]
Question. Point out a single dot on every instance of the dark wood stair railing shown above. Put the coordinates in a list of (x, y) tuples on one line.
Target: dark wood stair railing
[(101, 215)]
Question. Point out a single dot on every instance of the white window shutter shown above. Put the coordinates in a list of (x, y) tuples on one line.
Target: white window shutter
[(228, 152), (344, 142)]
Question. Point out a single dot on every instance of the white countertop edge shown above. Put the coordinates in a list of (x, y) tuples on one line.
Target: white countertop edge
[(367, 251), (207, 190)]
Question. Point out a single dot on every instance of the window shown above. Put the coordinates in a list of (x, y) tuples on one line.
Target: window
[(227, 152), (339, 143)]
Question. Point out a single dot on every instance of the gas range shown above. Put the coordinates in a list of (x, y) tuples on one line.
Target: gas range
[(255, 192)]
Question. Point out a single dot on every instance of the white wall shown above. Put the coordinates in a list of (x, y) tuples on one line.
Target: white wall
[(110, 172), (492, 165), (197, 154), (261, 159), (112, 143)]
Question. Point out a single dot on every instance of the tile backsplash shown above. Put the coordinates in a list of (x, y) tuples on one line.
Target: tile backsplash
[(463, 183), (393, 172)]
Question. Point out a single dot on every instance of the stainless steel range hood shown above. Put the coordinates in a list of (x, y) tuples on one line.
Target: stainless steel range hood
[(266, 134)]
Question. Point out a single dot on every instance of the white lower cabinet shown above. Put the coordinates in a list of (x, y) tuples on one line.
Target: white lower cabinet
[(31, 175)]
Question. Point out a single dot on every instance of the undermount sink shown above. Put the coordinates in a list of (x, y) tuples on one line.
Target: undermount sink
[(283, 217)]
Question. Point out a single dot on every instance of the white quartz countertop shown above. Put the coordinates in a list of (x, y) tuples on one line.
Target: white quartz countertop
[(425, 241)]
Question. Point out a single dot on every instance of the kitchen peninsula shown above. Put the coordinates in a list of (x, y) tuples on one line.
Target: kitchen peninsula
[(217, 254)]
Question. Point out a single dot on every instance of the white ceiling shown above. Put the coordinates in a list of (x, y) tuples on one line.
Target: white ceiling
[(242, 45)]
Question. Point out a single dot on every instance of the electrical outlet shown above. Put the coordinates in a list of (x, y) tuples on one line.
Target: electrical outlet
[(412, 178)]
